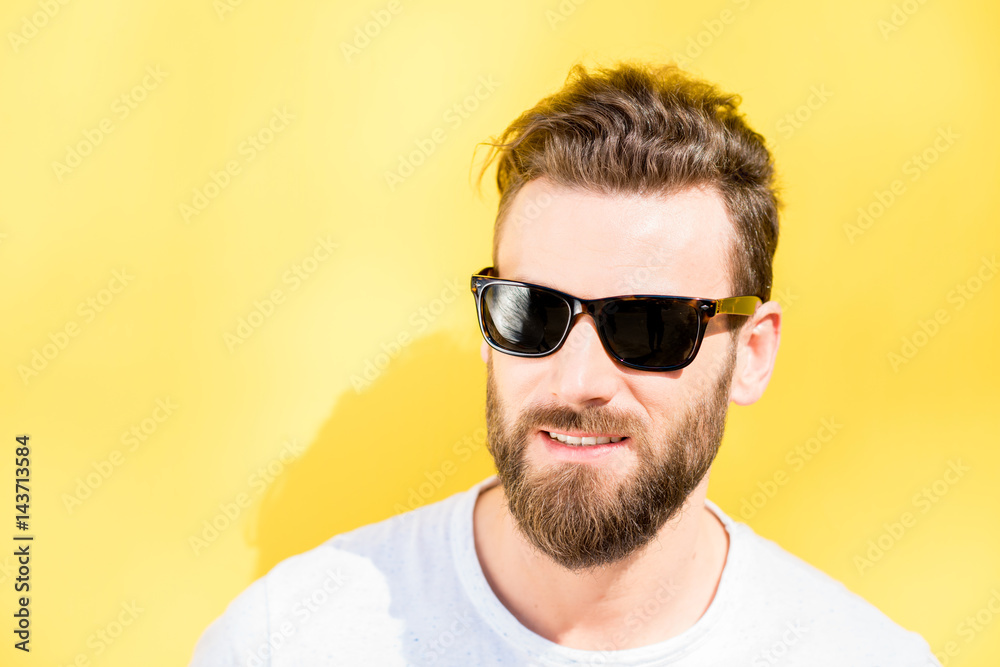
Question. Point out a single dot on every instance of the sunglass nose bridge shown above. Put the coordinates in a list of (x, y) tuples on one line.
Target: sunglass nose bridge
[(580, 309)]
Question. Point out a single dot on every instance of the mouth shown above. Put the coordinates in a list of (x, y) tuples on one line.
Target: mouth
[(581, 447), (581, 439)]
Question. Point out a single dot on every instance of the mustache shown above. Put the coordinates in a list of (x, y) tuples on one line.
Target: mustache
[(597, 419)]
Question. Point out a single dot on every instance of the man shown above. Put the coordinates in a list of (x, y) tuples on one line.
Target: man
[(594, 544)]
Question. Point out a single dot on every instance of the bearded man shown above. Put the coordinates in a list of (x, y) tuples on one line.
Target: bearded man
[(627, 305)]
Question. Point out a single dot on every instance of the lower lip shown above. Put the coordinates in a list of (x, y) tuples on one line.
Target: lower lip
[(566, 452)]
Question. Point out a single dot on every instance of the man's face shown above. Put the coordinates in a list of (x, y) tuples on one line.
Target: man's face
[(586, 506)]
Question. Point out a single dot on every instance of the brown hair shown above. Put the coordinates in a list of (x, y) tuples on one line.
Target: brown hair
[(648, 129)]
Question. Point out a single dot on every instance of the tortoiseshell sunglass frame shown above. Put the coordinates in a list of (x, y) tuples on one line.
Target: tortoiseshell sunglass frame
[(705, 308)]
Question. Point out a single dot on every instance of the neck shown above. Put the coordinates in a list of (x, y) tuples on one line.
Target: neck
[(658, 593)]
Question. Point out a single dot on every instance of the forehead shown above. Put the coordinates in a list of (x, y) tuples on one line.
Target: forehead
[(593, 245)]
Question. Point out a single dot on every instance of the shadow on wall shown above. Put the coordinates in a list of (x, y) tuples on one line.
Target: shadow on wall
[(414, 435)]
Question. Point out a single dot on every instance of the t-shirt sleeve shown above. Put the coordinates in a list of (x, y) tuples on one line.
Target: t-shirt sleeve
[(920, 654), (239, 634)]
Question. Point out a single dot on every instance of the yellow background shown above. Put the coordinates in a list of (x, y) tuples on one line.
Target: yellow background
[(414, 434)]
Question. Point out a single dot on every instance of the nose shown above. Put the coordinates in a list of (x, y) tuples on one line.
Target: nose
[(583, 373)]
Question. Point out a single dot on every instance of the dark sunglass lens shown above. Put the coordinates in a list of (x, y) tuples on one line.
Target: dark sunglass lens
[(522, 319), (652, 332)]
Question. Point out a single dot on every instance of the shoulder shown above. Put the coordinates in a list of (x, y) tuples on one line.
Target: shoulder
[(802, 610), (354, 573), (356, 562), (230, 636)]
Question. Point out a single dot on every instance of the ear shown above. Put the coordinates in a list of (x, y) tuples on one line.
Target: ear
[(484, 352), (756, 351)]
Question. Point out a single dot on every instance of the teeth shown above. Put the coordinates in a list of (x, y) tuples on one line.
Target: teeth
[(580, 442)]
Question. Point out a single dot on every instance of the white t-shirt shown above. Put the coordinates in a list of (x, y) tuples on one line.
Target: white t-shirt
[(409, 590)]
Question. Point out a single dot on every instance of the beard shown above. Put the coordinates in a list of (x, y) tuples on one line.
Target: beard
[(579, 514)]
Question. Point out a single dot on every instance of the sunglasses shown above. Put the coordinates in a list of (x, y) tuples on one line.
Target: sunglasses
[(643, 331)]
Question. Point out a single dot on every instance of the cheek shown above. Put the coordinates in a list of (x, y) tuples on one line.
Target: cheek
[(708, 366), (657, 411), (664, 401), (519, 380), (509, 387)]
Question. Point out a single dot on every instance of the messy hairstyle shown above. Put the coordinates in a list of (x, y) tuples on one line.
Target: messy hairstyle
[(649, 130)]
